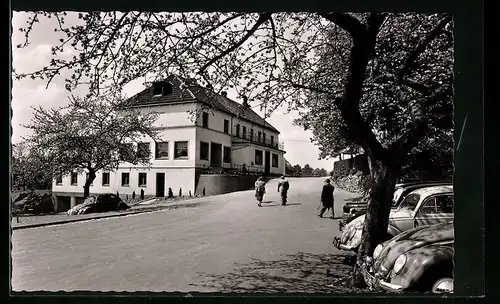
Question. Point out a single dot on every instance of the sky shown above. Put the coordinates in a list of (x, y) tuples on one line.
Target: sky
[(28, 93)]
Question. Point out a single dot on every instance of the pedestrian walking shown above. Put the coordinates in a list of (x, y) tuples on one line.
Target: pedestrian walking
[(327, 198), (260, 190), (283, 185)]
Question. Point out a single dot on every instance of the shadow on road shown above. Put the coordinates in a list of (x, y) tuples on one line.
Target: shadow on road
[(279, 205), (297, 273)]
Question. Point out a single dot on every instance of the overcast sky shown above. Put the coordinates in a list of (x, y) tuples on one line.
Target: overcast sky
[(32, 93)]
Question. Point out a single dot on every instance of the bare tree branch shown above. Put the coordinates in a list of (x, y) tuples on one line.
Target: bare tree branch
[(262, 18)]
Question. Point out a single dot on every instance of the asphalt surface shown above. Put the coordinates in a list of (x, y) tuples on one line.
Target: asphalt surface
[(220, 243)]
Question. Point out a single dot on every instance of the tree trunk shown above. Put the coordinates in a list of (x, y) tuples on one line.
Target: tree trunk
[(88, 182), (384, 178)]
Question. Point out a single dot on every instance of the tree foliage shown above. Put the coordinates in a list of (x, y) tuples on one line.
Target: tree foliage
[(90, 135), (29, 169)]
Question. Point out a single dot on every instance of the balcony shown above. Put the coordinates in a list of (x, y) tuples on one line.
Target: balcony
[(235, 170), (257, 141)]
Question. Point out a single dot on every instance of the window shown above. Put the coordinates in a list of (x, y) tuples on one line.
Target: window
[(258, 157), (444, 203), (275, 161), (204, 148), (244, 132), (429, 206), (125, 179), (259, 136), (87, 177), (237, 130), (143, 150), (264, 137), (272, 140), (105, 179), (74, 179), (157, 88), (181, 149), (226, 126), (143, 179), (167, 88), (162, 150), (162, 88), (227, 155), (251, 135), (205, 120), (410, 201)]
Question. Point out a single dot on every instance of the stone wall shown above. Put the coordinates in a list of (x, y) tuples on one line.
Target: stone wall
[(349, 166), (222, 183)]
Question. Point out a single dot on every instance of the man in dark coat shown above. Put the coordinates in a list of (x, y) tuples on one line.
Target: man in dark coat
[(327, 198), (283, 185)]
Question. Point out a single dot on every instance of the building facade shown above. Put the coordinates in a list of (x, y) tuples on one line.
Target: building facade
[(201, 133)]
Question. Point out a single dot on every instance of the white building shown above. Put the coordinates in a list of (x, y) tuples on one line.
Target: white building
[(226, 137)]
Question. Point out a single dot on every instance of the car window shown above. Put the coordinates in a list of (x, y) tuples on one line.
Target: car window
[(444, 203), (397, 195), (429, 206), (410, 201)]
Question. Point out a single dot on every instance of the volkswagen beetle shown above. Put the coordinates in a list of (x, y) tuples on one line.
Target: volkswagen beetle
[(352, 210), (420, 259), (423, 206)]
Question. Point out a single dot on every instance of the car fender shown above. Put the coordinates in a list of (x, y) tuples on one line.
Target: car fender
[(421, 262), (392, 231)]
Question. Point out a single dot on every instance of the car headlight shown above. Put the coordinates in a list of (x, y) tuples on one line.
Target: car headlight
[(377, 251), (443, 286), (399, 264)]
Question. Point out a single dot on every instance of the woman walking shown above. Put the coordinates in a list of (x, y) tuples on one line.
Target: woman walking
[(260, 190)]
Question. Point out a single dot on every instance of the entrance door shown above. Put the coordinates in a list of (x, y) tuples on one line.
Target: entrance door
[(160, 184), (267, 162)]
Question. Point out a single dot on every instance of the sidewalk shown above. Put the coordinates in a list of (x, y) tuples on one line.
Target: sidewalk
[(62, 218)]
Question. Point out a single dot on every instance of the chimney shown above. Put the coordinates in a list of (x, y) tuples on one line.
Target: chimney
[(224, 93), (245, 101)]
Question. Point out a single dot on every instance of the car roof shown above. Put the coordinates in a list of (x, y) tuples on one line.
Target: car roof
[(426, 191)]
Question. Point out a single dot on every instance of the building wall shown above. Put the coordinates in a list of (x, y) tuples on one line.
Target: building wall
[(175, 178), (256, 129), (214, 184), (172, 115), (210, 136), (246, 155)]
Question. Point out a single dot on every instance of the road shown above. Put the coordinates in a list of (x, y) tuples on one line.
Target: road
[(223, 243)]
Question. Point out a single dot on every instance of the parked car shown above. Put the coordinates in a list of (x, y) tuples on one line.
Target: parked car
[(99, 203), (32, 202), (423, 206), (354, 210), (420, 259)]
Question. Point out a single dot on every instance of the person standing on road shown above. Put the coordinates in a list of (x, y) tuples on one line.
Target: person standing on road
[(260, 190), (327, 198), (283, 185)]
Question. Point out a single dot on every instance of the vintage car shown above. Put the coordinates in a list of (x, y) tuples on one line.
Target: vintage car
[(423, 206), (418, 260), (356, 207), (99, 203)]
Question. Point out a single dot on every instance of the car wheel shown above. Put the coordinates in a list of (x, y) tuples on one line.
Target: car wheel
[(444, 285)]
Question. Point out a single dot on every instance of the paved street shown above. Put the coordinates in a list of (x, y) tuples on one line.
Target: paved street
[(225, 243)]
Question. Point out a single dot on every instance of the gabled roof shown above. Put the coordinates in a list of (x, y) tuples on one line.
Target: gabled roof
[(185, 90)]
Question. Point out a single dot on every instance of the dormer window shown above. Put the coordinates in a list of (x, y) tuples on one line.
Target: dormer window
[(162, 88)]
